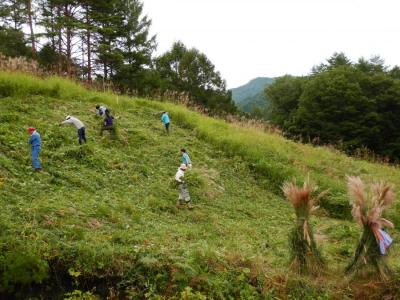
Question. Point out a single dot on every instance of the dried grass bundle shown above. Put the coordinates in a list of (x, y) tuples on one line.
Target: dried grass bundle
[(305, 257), (367, 209)]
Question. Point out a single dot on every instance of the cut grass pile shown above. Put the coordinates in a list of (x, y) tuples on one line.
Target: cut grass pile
[(103, 215)]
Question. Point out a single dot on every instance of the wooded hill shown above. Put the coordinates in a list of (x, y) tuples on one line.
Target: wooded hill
[(251, 96)]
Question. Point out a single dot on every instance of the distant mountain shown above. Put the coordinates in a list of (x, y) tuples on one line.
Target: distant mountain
[(251, 94)]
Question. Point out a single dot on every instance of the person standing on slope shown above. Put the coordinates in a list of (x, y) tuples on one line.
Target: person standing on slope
[(182, 186), (79, 125), (185, 158), (36, 146), (165, 120)]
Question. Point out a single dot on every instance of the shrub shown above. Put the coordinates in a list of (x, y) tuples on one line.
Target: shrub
[(21, 267)]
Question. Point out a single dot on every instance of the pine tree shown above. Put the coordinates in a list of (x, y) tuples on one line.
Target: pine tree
[(13, 13), (190, 71), (136, 47), (108, 21), (30, 16)]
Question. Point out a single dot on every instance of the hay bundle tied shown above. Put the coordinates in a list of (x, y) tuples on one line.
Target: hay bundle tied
[(305, 257), (367, 209)]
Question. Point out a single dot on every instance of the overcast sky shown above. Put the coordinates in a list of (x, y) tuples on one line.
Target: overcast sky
[(250, 38)]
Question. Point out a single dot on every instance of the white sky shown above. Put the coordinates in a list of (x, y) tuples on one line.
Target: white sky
[(245, 39)]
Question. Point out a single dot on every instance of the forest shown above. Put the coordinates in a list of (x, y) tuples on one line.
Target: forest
[(354, 106), (107, 43)]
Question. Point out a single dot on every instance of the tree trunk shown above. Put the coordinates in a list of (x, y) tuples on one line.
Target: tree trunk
[(89, 50), (60, 52), (105, 67), (68, 37), (53, 28), (30, 23), (105, 70)]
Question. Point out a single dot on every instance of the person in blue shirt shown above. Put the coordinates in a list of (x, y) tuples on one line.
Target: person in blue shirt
[(186, 159), (165, 120), (36, 146)]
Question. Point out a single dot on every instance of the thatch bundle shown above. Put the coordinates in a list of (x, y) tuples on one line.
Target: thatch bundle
[(305, 257), (367, 209)]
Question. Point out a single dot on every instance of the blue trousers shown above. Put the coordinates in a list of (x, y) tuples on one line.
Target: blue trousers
[(81, 135), (35, 158)]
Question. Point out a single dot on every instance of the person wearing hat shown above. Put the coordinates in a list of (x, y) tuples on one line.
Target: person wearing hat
[(165, 120), (36, 146), (182, 186), (79, 125)]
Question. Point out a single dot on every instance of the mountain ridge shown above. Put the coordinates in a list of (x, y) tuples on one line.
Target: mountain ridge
[(251, 94)]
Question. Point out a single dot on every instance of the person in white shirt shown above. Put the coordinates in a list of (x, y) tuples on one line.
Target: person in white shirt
[(79, 125), (183, 189), (102, 111)]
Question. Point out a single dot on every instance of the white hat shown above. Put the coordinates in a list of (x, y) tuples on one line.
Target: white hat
[(183, 167), (67, 117)]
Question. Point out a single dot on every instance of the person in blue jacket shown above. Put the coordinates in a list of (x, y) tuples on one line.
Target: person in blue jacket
[(165, 120), (36, 146), (186, 159)]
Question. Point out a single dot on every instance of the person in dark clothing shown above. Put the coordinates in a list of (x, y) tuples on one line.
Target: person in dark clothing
[(108, 125)]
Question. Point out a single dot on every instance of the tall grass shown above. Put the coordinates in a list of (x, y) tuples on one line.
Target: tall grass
[(272, 158), (20, 64)]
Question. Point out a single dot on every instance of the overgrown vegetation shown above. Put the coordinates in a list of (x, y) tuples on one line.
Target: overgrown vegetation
[(101, 219)]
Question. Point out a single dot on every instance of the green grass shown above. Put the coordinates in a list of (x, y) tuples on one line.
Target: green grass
[(103, 215)]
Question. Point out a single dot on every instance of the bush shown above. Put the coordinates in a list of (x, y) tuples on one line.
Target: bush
[(21, 267)]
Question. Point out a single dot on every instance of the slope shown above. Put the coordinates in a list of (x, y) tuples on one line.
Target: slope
[(102, 215), (251, 94)]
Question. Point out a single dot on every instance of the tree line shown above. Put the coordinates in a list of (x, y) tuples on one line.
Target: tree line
[(352, 105), (108, 42)]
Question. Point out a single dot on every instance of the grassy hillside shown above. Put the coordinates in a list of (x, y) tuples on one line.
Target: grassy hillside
[(101, 218)]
